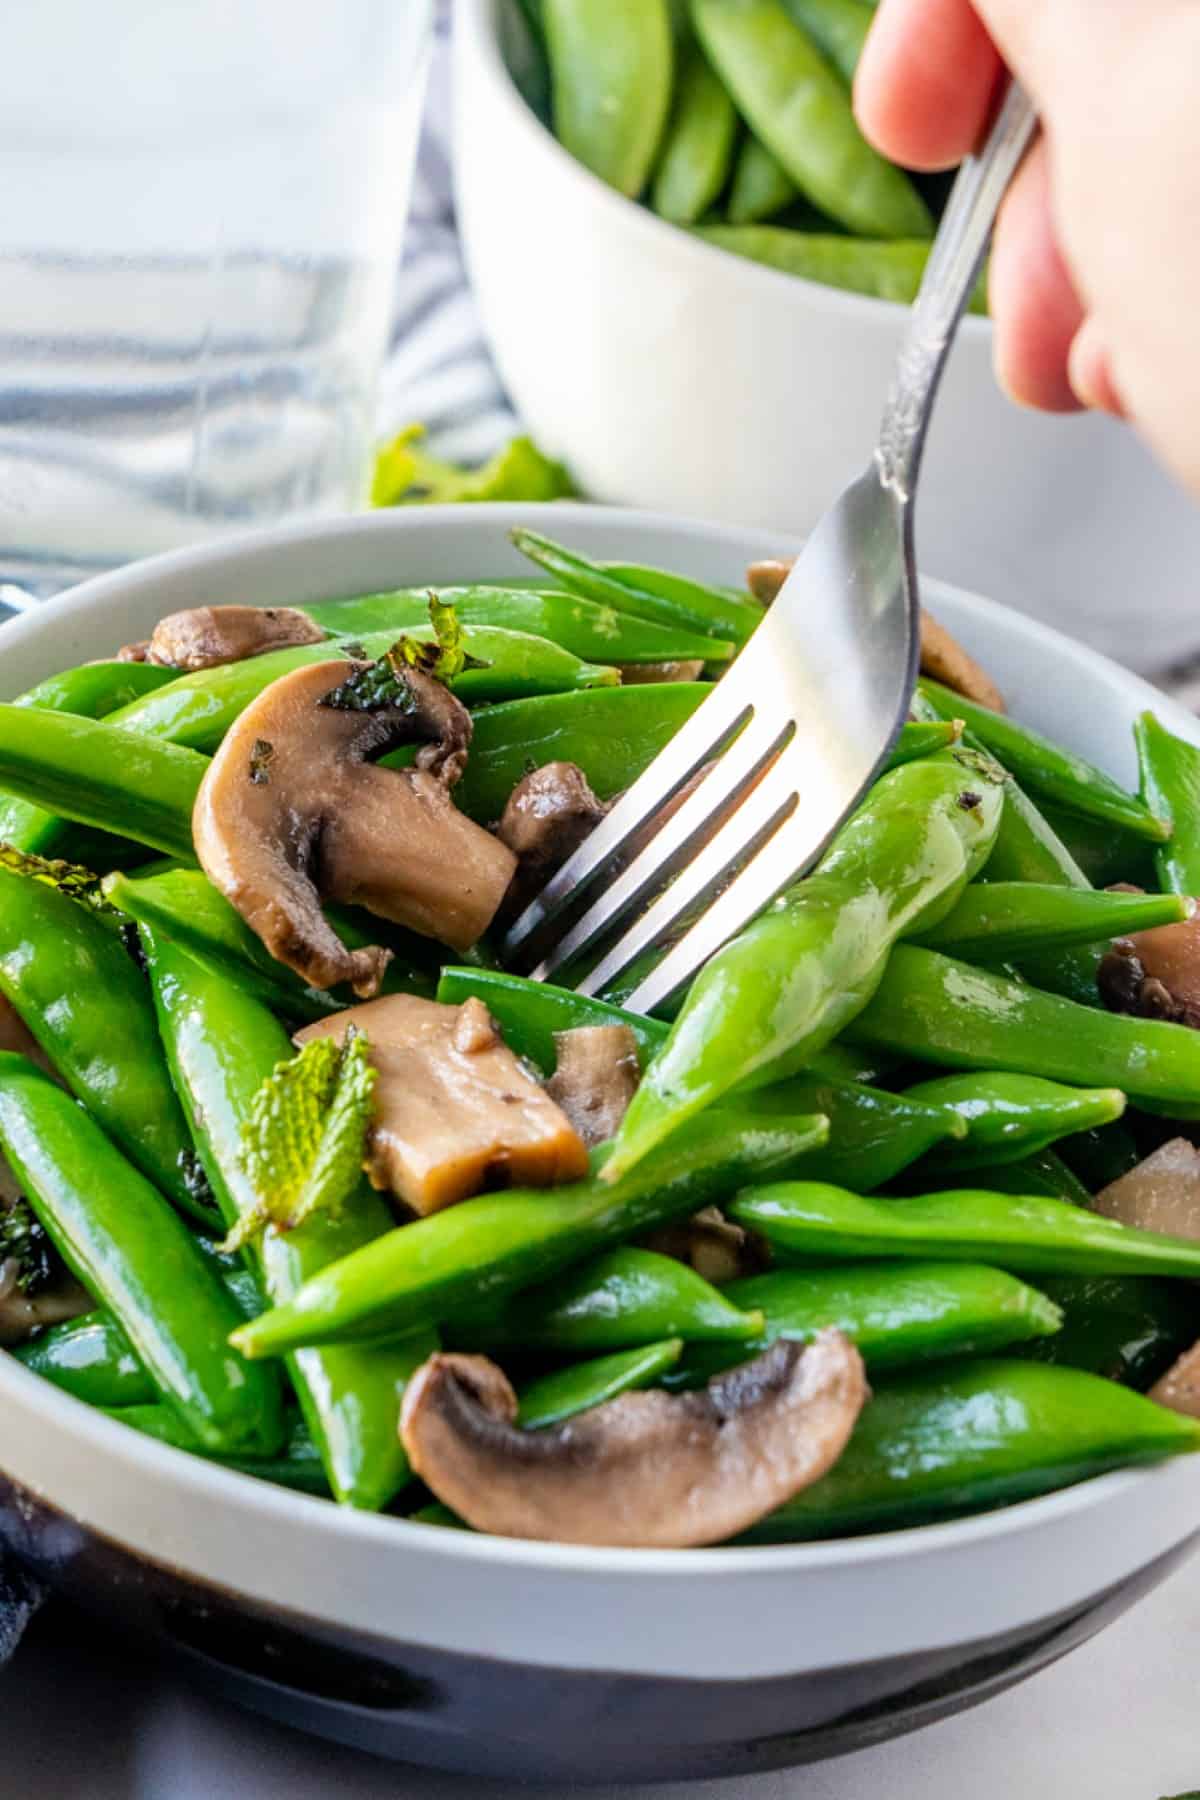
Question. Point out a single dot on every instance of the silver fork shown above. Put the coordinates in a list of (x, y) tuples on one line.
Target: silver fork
[(803, 721)]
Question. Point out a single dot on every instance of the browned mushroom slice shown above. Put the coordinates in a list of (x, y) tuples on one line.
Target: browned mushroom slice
[(595, 1078), (455, 1112), (638, 674), (646, 1470), (712, 1245), (22, 1314), (1155, 974), (134, 652), (292, 810), (203, 637), (1179, 1388), (942, 656), (547, 816), (1161, 1194)]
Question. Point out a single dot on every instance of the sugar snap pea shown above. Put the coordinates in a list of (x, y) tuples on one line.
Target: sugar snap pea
[(683, 590), (297, 1464), (1042, 1172), (761, 186), (897, 1314), (222, 1044), (883, 268), (939, 1010), (563, 1393), (996, 920), (1107, 854), (490, 1247), (784, 987), (1024, 1232), (615, 1301), (80, 995), (1048, 771), (697, 147), (610, 79), (132, 1251), (971, 1435), (92, 1358), (587, 629), (1008, 1116), (838, 28), (670, 599), (1128, 1328), (1170, 776), (801, 110)]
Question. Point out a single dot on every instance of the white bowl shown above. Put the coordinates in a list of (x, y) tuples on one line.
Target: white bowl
[(530, 1659), (673, 375)]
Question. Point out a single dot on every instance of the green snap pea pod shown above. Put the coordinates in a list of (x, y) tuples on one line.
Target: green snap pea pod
[(1170, 773), (1009, 1116), (1046, 770), (1106, 853), (132, 1251), (589, 630), (1101, 1155), (996, 920), (98, 774), (873, 1134), (197, 710), (523, 48), (1041, 1172), (222, 1044), (79, 993), (615, 1301), (669, 585), (610, 79), (92, 1358), (917, 740), (697, 148), (884, 269), (1128, 1328), (296, 1466), (793, 979), (1019, 1231), (672, 600), (487, 1248), (565, 1392), (611, 733), (972, 1435), (938, 1010), (93, 690), (761, 186), (183, 904), (897, 1314), (800, 108), (837, 27)]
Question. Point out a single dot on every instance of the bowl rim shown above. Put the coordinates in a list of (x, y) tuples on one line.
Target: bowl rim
[(475, 22), (92, 1428)]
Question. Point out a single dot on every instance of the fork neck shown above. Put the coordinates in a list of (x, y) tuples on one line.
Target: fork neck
[(955, 261)]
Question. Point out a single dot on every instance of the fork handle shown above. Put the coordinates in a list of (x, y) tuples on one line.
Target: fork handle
[(950, 274)]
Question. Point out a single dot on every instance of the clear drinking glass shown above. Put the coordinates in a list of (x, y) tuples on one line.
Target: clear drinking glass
[(201, 206)]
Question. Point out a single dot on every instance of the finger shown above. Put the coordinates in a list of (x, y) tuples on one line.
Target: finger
[(1032, 298), (925, 81), (1090, 371)]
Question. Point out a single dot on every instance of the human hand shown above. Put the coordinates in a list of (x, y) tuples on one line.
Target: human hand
[(1095, 270)]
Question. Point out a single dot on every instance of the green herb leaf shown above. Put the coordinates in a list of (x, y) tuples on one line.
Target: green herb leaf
[(406, 476), (69, 878), (302, 1145), (383, 683)]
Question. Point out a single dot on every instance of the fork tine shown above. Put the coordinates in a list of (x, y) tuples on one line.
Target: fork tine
[(786, 856), (755, 821), (657, 860), (727, 708)]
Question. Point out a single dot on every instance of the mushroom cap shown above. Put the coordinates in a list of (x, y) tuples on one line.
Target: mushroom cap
[(1155, 973), (595, 1078), (646, 1470), (203, 637), (292, 809)]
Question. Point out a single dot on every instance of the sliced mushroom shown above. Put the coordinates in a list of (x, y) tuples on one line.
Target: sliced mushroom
[(638, 674), (646, 1470), (1179, 1388), (455, 1112), (942, 656), (1161, 1194), (548, 814), (203, 637), (1155, 974), (712, 1245), (595, 1078), (293, 810)]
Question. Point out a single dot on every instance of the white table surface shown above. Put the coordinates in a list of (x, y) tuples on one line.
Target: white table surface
[(83, 1718)]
